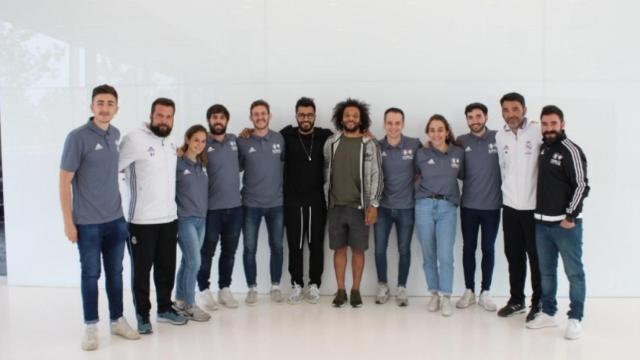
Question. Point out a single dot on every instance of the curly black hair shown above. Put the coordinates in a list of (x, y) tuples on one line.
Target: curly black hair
[(338, 112)]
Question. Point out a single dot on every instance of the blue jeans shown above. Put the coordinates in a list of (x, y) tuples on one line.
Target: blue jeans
[(436, 227), (274, 218), (551, 240), (224, 225), (471, 221), (108, 240), (190, 239), (404, 220)]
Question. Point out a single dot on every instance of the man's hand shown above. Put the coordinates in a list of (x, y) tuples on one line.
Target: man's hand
[(368, 135), (371, 216), (245, 133), (567, 224), (71, 232)]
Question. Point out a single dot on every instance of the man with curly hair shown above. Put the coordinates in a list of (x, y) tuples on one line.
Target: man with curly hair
[(353, 171)]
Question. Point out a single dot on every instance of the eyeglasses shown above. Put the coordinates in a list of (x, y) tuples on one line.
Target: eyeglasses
[(306, 116)]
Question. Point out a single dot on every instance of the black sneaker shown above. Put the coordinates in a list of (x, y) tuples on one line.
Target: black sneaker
[(356, 299), (532, 313), (144, 326), (511, 309), (341, 298)]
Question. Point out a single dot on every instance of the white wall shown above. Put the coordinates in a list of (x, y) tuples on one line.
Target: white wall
[(422, 56)]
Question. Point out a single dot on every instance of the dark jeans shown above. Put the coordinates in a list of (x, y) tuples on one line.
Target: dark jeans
[(305, 222), (106, 239), (404, 220), (273, 216), (551, 240), (471, 221), (224, 225), (153, 246), (519, 244)]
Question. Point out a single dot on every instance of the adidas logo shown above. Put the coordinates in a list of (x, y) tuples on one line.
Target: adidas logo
[(210, 149), (431, 162), (186, 172), (467, 149), (99, 147), (252, 149)]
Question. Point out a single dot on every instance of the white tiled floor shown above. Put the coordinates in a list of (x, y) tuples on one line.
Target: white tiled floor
[(46, 323)]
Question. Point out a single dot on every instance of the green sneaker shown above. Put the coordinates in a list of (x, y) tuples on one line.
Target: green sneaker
[(341, 298), (356, 299), (144, 325), (171, 317)]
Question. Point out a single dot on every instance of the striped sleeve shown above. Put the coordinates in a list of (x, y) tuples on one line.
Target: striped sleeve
[(575, 168)]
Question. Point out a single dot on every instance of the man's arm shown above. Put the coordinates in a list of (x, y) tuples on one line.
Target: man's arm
[(575, 167), (377, 183), (70, 230), (128, 153)]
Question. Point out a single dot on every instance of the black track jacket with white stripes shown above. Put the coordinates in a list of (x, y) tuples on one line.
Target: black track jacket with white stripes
[(562, 181)]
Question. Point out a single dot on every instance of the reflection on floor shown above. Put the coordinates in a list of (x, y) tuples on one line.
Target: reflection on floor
[(40, 323)]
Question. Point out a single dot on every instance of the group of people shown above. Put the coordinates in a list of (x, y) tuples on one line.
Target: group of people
[(304, 179)]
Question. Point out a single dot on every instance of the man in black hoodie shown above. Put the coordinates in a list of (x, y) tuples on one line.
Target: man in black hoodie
[(305, 208)]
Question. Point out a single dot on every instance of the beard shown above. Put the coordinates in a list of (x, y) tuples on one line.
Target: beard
[(305, 125), (218, 129), (515, 121), (551, 136), (476, 128), (351, 126), (160, 130)]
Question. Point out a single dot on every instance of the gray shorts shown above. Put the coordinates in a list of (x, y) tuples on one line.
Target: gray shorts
[(347, 228)]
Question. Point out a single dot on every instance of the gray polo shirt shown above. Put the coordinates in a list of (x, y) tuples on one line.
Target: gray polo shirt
[(439, 173), (192, 184), (399, 172), (262, 158), (92, 154), (223, 167), (481, 183)]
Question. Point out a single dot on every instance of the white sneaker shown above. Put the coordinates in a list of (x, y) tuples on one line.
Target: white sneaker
[(90, 338), (196, 314), (486, 302), (574, 329), (401, 297), (225, 298), (312, 295), (121, 327), (276, 294), (207, 300), (434, 303), (542, 320), (383, 293), (446, 306), (296, 295), (467, 299), (252, 296)]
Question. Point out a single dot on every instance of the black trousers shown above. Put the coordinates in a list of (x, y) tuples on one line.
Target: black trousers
[(519, 243), (152, 246), (305, 224)]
